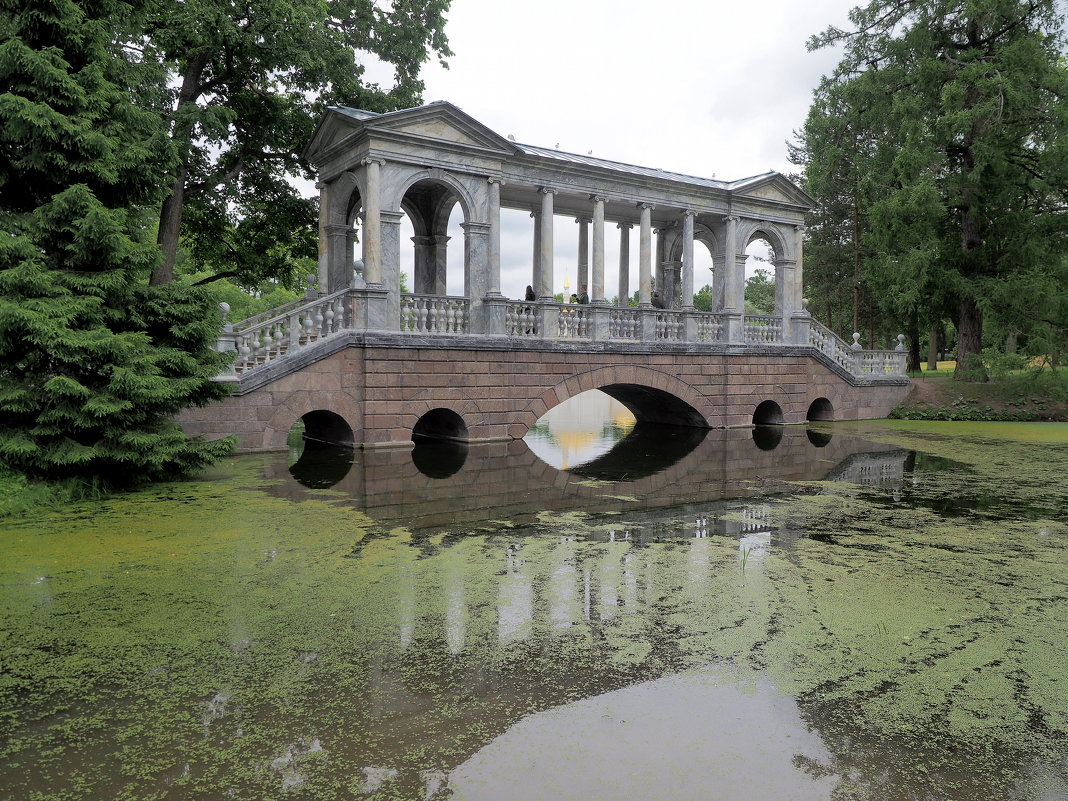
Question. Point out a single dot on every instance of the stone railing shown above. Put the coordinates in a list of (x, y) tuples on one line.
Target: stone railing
[(292, 327), (670, 326), (624, 323), (573, 322), (435, 314), (762, 329), (832, 345), (263, 339)]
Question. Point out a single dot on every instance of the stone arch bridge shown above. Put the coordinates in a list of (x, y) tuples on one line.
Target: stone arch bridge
[(363, 363)]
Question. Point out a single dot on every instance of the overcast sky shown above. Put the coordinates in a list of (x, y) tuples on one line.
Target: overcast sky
[(694, 86)]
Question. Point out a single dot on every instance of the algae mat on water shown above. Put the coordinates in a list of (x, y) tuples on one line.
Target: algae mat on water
[(211, 639)]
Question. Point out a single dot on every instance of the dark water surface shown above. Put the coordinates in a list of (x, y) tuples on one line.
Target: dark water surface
[(854, 611)]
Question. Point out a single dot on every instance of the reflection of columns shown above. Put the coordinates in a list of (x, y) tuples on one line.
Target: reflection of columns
[(583, 253), (535, 276), (597, 295), (624, 263), (372, 231), (645, 255), (493, 285), (546, 291), (687, 258)]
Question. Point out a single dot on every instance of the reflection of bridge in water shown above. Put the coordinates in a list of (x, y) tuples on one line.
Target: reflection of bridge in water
[(483, 617), (456, 486)]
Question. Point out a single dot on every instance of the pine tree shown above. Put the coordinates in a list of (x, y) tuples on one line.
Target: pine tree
[(93, 361), (965, 106)]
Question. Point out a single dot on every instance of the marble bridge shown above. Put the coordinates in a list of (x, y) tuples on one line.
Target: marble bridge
[(363, 363)]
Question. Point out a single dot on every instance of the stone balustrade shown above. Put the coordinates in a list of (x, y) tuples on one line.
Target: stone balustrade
[(435, 314), (270, 336)]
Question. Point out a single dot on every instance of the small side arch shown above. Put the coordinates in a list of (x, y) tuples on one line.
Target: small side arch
[(442, 425), (768, 413), (819, 410)]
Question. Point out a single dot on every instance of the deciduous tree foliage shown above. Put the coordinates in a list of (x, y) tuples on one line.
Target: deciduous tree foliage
[(943, 133), (250, 82), (93, 361)]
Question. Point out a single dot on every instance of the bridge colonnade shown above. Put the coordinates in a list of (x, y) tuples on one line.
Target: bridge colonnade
[(376, 168)]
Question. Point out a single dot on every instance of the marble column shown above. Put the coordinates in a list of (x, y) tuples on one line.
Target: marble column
[(477, 249), (583, 253), (339, 259), (423, 280), (687, 258), (324, 247), (493, 284), (624, 263), (389, 264), (535, 275), (733, 277), (645, 255), (372, 224), (597, 293), (661, 281), (546, 290)]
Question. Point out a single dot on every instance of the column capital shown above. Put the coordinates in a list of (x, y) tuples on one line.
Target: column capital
[(801, 228), (598, 198), (495, 179), (337, 230), (475, 228), (731, 218), (391, 217), (535, 213), (689, 213), (547, 190), (624, 226), (644, 205), (582, 219), (368, 161)]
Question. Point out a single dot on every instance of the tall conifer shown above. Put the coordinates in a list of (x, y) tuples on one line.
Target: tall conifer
[(93, 361)]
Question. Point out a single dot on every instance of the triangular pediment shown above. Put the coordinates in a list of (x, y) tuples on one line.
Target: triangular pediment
[(441, 122), (775, 187)]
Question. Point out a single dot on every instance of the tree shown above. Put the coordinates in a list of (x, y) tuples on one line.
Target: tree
[(250, 81), (93, 362), (965, 105), (760, 293)]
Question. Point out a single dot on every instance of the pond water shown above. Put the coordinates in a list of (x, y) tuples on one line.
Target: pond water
[(850, 611)]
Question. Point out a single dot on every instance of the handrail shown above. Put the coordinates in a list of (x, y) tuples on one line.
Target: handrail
[(296, 325)]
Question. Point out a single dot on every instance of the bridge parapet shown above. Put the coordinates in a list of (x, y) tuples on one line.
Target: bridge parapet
[(289, 329)]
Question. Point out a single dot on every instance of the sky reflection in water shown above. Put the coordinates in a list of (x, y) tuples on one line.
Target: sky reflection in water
[(811, 620)]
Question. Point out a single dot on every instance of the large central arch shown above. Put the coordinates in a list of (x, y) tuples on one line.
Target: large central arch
[(652, 396)]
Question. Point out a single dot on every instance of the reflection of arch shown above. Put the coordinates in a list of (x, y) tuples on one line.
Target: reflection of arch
[(767, 438), (650, 395), (440, 424), (322, 466), (820, 439), (439, 459), (647, 450), (820, 409), (768, 413)]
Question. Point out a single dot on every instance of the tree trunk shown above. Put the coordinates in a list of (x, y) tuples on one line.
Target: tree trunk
[(170, 226), (170, 217), (969, 341), (913, 365), (932, 347)]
